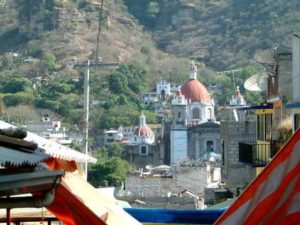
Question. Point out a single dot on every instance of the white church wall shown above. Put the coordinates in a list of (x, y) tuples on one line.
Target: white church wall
[(178, 145)]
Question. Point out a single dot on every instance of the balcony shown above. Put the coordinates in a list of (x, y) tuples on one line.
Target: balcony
[(256, 154)]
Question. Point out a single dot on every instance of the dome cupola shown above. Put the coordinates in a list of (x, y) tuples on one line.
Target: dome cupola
[(193, 90)]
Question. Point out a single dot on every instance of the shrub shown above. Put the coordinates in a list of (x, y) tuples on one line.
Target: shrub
[(23, 98)]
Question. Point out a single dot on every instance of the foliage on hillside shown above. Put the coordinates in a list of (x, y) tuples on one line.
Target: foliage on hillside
[(222, 33)]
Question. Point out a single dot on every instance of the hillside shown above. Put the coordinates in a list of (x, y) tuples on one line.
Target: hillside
[(222, 33), (152, 40), (69, 29), (41, 43)]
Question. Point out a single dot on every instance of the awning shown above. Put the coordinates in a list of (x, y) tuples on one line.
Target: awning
[(77, 203), (292, 105), (253, 107)]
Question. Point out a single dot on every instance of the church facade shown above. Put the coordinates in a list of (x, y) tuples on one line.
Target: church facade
[(194, 129)]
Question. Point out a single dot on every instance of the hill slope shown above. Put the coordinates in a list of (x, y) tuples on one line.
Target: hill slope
[(223, 33)]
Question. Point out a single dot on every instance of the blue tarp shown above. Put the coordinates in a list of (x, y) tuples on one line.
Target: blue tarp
[(146, 215)]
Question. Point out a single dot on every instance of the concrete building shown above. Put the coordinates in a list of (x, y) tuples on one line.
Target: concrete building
[(238, 125), (235, 174), (112, 136)]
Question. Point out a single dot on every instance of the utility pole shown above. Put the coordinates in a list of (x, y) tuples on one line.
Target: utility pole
[(86, 112)]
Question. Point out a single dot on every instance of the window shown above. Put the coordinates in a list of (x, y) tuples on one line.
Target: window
[(179, 115), (110, 134), (179, 118), (144, 150), (264, 127), (196, 113), (209, 146)]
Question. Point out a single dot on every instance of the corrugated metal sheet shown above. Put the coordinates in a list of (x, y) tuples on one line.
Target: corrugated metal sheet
[(53, 149), (18, 158)]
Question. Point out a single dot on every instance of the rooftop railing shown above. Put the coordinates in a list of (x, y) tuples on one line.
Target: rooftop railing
[(256, 154)]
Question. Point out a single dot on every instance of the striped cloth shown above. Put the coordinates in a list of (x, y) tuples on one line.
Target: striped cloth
[(273, 198)]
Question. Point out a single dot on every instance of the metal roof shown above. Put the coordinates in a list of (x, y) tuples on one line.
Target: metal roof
[(17, 158), (52, 148)]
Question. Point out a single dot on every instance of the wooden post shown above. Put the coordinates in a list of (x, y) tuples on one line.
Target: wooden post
[(8, 218)]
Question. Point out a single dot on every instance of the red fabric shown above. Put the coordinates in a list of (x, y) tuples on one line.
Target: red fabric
[(68, 209), (60, 164), (274, 196)]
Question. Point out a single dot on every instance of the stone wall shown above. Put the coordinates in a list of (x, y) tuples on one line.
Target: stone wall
[(148, 186), (236, 174), (192, 178)]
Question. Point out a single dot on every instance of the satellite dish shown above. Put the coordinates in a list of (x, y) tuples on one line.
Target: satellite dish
[(266, 57), (257, 82)]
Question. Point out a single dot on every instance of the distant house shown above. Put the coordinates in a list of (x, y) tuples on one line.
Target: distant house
[(112, 136)]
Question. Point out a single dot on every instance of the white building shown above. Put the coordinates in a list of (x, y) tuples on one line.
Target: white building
[(163, 89)]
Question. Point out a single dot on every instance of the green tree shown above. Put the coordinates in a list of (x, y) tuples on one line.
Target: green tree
[(15, 84), (49, 61), (111, 170), (20, 98), (118, 83)]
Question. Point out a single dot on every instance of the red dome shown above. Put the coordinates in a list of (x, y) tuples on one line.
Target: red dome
[(195, 91), (143, 131)]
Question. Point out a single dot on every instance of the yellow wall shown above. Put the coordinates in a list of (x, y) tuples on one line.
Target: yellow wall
[(263, 150)]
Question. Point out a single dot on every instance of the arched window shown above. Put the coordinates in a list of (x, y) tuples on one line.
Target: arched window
[(196, 113), (143, 150)]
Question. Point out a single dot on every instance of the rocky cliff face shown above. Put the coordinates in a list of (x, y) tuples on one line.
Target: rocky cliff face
[(221, 33)]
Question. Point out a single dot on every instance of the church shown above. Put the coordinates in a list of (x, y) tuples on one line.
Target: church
[(194, 129), (191, 133)]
